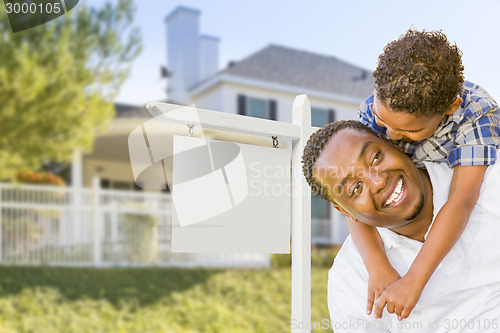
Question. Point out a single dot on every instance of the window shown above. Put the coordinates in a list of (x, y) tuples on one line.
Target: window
[(321, 117), (320, 209), (118, 185), (257, 107), (105, 183)]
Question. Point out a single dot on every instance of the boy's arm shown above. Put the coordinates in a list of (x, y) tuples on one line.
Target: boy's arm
[(370, 246), (403, 295)]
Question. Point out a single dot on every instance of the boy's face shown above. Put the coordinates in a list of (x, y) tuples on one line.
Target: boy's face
[(406, 126)]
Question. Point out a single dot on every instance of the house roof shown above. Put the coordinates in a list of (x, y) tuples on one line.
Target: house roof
[(283, 65), (290, 67)]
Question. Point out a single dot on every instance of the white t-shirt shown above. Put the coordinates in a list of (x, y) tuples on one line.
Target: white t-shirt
[(463, 295)]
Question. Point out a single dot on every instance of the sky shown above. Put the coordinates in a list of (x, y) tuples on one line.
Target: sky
[(353, 31)]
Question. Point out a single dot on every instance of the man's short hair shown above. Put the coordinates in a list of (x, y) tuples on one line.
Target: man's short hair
[(419, 73), (315, 146)]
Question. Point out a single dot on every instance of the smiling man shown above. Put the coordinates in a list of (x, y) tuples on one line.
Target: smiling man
[(373, 182), (370, 180)]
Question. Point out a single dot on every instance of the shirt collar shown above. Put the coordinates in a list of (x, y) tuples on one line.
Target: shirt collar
[(474, 105), (394, 240)]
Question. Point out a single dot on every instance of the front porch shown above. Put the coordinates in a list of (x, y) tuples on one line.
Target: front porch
[(92, 226)]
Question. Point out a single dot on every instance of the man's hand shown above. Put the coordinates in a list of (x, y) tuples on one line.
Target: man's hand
[(378, 282), (400, 298)]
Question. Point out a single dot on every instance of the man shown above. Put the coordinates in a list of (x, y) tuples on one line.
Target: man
[(373, 182)]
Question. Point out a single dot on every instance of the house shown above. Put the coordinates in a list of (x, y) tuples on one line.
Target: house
[(86, 224), (264, 84)]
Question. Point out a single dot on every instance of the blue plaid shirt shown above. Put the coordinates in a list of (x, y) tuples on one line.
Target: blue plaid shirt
[(470, 136)]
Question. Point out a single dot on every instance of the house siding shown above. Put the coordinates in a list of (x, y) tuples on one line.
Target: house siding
[(224, 97)]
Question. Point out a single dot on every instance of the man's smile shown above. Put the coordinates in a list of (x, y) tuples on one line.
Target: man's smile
[(397, 195)]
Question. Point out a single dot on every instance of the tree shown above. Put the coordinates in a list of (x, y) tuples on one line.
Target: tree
[(58, 82)]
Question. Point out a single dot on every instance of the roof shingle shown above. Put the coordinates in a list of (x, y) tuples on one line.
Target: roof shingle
[(304, 69)]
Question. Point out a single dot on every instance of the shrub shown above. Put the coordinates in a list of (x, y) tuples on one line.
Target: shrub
[(42, 178), (321, 256), (281, 260), (324, 256), (140, 236)]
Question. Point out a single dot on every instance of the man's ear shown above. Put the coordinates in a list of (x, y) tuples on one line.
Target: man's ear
[(342, 210), (346, 213), (454, 107)]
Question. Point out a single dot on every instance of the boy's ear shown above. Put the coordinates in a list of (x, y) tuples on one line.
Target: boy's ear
[(454, 107)]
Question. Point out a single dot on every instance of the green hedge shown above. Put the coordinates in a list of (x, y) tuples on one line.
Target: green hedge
[(320, 257), (71, 300)]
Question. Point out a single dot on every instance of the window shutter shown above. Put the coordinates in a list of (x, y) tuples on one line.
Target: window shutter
[(242, 105), (272, 109), (331, 115)]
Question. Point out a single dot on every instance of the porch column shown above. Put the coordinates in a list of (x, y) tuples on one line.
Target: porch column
[(77, 170), (74, 224)]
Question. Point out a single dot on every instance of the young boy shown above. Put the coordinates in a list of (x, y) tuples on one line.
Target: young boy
[(422, 103)]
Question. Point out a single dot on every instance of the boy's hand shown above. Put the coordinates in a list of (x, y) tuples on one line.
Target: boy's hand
[(400, 298), (378, 282)]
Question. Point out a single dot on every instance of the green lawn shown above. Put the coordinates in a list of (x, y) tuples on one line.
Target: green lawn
[(66, 300)]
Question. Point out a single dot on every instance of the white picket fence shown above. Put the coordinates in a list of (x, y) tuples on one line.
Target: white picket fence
[(63, 226)]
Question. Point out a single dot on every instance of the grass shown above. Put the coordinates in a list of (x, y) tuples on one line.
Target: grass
[(67, 300)]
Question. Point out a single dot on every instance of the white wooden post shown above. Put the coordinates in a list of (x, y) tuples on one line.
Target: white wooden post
[(301, 222), (97, 221), (228, 122), (299, 132)]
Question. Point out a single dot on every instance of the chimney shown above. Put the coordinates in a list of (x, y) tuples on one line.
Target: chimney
[(183, 52), (209, 56), (191, 57)]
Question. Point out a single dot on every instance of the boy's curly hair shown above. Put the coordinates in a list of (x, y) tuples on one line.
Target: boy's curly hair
[(419, 73), (315, 145)]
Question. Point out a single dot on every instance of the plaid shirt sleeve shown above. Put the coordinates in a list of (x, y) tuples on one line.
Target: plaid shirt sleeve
[(365, 113), (366, 116), (477, 142)]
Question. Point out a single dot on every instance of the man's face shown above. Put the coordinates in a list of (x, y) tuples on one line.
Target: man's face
[(405, 126), (370, 179)]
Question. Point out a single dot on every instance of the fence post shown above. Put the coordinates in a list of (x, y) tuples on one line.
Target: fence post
[(301, 222), (96, 227)]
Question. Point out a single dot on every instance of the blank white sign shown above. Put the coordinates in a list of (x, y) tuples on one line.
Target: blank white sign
[(230, 197)]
